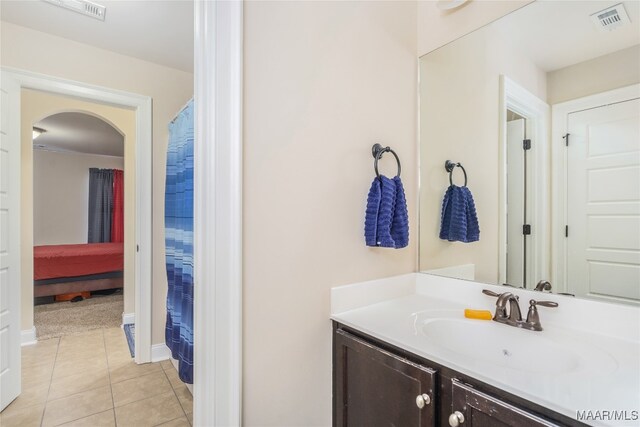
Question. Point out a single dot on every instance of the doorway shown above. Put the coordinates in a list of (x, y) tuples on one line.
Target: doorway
[(13, 82), (517, 200), (523, 258), (82, 203)]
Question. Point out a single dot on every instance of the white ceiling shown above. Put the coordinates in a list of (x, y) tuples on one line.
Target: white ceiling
[(79, 133), (159, 31), (556, 34)]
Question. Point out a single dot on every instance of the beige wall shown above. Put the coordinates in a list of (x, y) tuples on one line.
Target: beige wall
[(323, 82), (459, 113), (437, 27), (61, 194), (612, 71), (170, 89), (35, 106)]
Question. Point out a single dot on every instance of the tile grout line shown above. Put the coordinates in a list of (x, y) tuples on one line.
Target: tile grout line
[(76, 419), (110, 387), (113, 403), (174, 392), (55, 359), (173, 419), (75, 394)]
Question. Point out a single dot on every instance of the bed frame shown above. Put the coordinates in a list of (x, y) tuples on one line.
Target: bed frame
[(68, 285)]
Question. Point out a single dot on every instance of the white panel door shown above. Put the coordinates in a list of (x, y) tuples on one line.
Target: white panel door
[(9, 241), (603, 202), (515, 202)]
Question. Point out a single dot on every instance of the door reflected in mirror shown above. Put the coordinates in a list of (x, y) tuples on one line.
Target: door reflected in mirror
[(542, 107)]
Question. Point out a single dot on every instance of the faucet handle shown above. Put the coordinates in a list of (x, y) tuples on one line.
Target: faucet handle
[(543, 303), (533, 319), (543, 285), (490, 293)]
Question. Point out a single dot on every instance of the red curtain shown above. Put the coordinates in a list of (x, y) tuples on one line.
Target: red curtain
[(117, 218)]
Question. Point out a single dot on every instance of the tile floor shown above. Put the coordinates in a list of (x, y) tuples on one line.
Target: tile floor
[(91, 380)]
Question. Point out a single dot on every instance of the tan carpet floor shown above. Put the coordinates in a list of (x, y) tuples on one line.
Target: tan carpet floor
[(67, 318)]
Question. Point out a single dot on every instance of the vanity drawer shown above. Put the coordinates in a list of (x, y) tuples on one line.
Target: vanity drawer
[(473, 408), (374, 387)]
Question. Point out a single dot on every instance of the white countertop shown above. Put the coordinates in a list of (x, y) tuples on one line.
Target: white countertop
[(605, 339)]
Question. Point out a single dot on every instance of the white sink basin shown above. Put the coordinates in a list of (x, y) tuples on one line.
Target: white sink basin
[(508, 347)]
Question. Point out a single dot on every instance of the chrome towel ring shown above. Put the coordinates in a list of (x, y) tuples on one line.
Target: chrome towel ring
[(378, 150), (450, 166)]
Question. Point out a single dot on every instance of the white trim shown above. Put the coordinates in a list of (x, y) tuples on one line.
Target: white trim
[(128, 319), (160, 352), (142, 107), (10, 383), (517, 99), (28, 337), (560, 113), (218, 214)]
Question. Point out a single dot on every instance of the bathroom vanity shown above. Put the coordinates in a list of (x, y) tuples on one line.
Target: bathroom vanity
[(375, 381), (405, 355)]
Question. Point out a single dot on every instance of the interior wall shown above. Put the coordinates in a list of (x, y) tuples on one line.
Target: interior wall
[(61, 194), (35, 106), (170, 89), (323, 82), (608, 72), (459, 121), (438, 27)]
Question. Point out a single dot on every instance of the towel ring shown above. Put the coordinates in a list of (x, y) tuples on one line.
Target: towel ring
[(378, 150), (450, 166)]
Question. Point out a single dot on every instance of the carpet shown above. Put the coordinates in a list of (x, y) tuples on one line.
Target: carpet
[(67, 318)]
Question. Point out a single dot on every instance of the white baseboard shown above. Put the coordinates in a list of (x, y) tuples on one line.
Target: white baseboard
[(28, 336), (160, 352), (128, 318)]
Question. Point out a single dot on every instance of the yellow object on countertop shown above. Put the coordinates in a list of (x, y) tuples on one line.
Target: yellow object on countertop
[(478, 314)]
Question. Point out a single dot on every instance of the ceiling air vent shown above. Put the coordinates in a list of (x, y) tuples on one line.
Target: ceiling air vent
[(610, 18), (84, 7)]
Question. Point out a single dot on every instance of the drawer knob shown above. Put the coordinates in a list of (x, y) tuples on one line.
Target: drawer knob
[(422, 400), (456, 419)]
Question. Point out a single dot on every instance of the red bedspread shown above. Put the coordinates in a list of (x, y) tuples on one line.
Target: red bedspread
[(53, 261)]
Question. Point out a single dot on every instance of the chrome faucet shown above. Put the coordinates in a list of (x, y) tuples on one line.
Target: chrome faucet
[(543, 285), (514, 308), (514, 316)]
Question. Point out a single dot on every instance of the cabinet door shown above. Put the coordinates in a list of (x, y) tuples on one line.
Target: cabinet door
[(480, 410), (376, 388)]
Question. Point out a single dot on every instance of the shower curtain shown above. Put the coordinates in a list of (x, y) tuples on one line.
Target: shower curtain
[(179, 242)]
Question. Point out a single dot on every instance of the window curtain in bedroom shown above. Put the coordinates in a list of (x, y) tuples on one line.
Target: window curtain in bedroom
[(117, 217), (100, 205), (179, 242)]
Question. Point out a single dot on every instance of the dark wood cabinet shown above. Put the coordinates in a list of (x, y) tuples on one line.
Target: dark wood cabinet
[(378, 384), (379, 388)]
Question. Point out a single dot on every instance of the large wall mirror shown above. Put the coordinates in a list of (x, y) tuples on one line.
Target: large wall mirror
[(539, 113)]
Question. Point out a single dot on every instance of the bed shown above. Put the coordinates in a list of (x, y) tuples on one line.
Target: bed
[(68, 269)]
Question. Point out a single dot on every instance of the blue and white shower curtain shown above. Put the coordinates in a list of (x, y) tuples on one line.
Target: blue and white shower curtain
[(179, 242)]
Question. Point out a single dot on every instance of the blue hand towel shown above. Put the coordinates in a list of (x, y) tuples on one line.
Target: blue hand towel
[(459, 217), (387, 219)]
